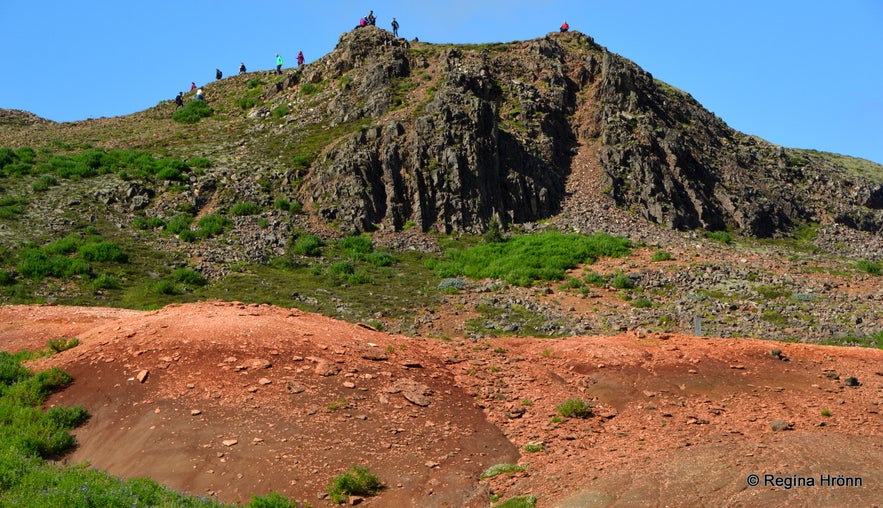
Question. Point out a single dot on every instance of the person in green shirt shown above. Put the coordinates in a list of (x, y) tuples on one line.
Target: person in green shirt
[(278, 63)]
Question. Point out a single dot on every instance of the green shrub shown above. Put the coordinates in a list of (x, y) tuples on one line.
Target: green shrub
[(106, 282), (518, 502), (534, 447), (622, 281), (502, 469), (342, 268), (103, 251), (253, 83), (309, 89), (719, 236), (247, 208), (308, 245), (148, 223), (44, 183), (192, 112), (199, 162), (356, 245), (165, 287), (275, 500), (281, 204), (213, 225), (574, 408), (188, 276), (661, 255), (280, 111), (595, 279), (188, 236), (356, 481), (381, 259), (7, 278), (179, 223), (642, 303), (62, 344), (871, 267)]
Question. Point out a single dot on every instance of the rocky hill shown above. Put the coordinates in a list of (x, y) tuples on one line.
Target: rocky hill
[(405, 140)]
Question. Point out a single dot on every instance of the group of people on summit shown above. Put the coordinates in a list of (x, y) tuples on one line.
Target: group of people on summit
[(370, 19)]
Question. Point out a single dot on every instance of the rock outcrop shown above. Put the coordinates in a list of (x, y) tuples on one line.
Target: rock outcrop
[(452, 136)]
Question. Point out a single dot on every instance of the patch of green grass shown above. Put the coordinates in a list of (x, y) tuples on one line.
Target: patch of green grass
[(518, 502), (525, 259), (193, 112), (775, 318), (661, 255), (534, 447), (245, 208), (772, 292), (355, 481), (642, 303), (574, 408), (872, 341), (622, 281), (719, 236), (871, 267), (188, 276), (502, 469)]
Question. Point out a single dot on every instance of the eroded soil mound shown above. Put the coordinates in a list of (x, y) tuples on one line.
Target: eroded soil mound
[(229, 400)]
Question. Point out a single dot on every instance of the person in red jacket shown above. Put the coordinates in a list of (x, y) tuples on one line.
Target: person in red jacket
[(565, 27), (300, 58)]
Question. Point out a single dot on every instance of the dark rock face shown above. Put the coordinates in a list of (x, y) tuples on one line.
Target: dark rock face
[(452, 136), (448, 166)]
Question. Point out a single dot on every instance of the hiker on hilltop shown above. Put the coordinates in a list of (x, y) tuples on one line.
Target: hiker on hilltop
[(362, 23), (395, 28), (278, 64), (300, 58), (192, 86), (218, 74), (241, 67), (199, 95), (371, 19), (565, 27), (179, 101)]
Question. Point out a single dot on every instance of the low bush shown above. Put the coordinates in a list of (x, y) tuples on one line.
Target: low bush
[(356, 481), (192, 112), (871, 267), (62, 344), (502, 469), (103, 252), (622, 281), (307, 245), (574, 408), (247, 208), (188, 276), (661, 255)]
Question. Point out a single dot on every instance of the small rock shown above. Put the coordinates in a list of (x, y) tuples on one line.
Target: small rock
[(779, 425), (264, 381), (195, 412), (229, 442), (142, 376), (851, 381)]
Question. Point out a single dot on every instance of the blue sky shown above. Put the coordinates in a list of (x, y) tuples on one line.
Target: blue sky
[(804, 74)]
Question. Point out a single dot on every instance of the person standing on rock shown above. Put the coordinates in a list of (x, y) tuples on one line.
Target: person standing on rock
[(371, 19), (218, 74), (395, 28), (300, 58), (241, 67), (565, 27), (179, 101), (278, 63)]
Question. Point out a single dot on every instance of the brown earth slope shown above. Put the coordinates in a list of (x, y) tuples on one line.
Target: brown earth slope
[(246, 399)]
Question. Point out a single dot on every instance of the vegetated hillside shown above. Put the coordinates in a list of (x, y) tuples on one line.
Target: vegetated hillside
[(401, 139)]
